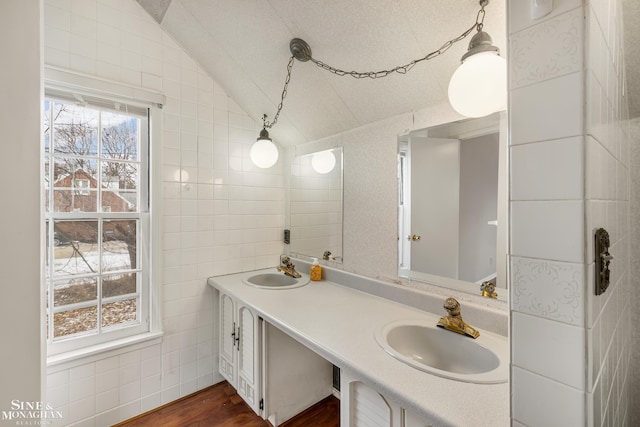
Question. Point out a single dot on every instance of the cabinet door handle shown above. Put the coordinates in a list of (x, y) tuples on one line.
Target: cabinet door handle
[(238, 339), (233, 334)]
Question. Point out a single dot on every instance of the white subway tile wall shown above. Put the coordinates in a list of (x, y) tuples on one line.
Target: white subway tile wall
[(220, 214), (607, 198), (569, 176)]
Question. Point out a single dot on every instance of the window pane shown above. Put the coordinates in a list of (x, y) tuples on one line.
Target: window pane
[(74, 291), (46, 126), (76, 250), (75, 321), (75, 185), (119, 312), (119, 245), (46, 177), (120, 136), (119, 187), (119, 284), (75, 130)]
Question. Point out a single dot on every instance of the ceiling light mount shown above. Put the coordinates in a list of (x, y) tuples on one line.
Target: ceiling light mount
[(300, 49), (480, 42)]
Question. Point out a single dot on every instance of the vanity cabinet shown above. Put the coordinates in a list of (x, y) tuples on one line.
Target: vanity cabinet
[(277, 376), (277, 348), (362, 406), (240, 346)]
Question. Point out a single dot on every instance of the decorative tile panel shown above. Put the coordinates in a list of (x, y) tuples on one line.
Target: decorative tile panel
[(553, 290), (548, 50)]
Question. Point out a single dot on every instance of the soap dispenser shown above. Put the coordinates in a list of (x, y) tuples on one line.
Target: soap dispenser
[(315, 272)]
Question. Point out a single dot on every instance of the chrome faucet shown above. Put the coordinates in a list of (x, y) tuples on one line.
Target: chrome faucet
[(453, 322), (288, 268)]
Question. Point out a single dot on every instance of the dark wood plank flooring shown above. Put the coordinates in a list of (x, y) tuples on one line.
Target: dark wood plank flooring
[(220, 406)]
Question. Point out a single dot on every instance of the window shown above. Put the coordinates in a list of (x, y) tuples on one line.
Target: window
[(83, 185), (96, 200)]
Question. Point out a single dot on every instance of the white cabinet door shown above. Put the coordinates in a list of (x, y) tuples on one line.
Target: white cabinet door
[(240, 349), (248, 357), (362, 406), (228, 328)]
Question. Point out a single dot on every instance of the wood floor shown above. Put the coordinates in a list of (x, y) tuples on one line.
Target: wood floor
[(220, 406)]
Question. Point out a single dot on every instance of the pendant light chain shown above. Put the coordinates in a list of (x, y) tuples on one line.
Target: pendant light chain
[(402, 69), (267, 124)]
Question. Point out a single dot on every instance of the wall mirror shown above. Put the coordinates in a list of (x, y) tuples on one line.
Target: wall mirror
[(452, 207), (315, 211)]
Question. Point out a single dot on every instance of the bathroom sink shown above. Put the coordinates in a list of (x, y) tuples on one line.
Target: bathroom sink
[(275, 281), (422, 345)]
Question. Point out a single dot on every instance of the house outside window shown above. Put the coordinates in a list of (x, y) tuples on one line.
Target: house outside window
[(96, 200)]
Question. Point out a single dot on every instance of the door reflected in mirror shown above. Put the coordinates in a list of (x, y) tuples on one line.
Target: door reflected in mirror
[(452, 205), (316, 192)]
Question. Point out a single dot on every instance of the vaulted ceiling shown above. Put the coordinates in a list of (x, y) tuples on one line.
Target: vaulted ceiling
[(245, 46)]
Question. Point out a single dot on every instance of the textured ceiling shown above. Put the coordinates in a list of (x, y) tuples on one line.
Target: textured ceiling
[(245, 46)]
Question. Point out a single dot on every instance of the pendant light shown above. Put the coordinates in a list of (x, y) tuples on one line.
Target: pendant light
[(479, 86), (264, 152)]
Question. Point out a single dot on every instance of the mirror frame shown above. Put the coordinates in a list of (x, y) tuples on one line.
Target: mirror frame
[(503, 215)]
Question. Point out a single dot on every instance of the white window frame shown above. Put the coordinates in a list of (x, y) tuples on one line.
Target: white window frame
[(148, 249)]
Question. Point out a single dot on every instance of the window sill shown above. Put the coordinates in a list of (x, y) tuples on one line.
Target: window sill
[(91, 354)]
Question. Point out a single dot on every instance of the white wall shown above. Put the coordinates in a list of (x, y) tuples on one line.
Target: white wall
[(634, 274), (219, 213), (569, 176), (20, 327), (608, 143)]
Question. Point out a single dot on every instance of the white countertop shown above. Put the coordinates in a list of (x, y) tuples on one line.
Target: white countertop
[(339, 324)]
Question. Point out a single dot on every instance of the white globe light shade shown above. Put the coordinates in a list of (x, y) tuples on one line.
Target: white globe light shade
[(323, 162), (479, 85), (264, 153)]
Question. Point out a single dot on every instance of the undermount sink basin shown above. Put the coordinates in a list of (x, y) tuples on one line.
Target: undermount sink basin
[(422, 345), (275, 281)]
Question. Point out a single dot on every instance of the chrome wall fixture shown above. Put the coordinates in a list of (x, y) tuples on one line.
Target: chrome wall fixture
[(476, 89)]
